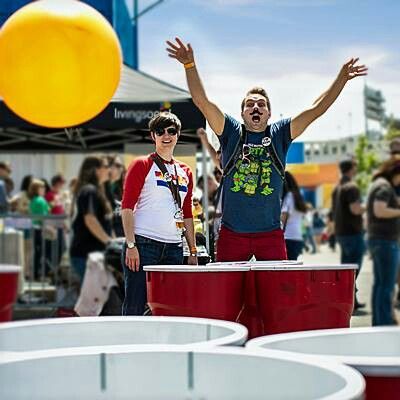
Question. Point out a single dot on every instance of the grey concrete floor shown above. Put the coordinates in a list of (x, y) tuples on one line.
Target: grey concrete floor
[(361, 317)]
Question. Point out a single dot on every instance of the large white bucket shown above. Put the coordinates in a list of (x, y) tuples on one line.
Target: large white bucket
[(150, 372), (106, 331), (375, 352)]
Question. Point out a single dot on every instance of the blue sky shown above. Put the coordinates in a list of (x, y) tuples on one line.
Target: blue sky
[(293, 48)]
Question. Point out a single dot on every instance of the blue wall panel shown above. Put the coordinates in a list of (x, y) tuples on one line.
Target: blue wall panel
[(310, 196), (296, 153), (115, 11)]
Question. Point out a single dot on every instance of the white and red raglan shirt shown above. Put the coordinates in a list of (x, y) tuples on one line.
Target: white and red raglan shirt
[(146, 192)]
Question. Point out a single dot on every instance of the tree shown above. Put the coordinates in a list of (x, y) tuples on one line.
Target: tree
[(367, 161), (393, 130)]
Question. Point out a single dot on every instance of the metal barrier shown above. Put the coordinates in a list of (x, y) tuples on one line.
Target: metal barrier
[(39, 244)]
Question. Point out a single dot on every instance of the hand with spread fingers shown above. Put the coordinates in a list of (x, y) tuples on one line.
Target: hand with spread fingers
[(350, 70), (181, 52)]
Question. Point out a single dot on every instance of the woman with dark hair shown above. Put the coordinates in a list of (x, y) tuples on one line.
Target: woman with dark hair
[(20, 202), (293, 211), (383, 212), (91, 226), (114, 188)]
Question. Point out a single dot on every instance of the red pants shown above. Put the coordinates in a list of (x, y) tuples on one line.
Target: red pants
[(264, 246)]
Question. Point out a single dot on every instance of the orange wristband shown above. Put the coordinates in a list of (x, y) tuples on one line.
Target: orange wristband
[(189, 65)]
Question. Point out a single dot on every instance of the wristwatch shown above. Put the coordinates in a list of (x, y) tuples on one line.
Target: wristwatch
[(130, 245), (193, 251)]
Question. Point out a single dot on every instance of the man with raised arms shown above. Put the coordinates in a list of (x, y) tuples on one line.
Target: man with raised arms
[(253, 160)]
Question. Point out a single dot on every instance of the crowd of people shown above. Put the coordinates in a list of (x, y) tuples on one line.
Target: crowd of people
[(55, 212), (379, 218), (89, 203)]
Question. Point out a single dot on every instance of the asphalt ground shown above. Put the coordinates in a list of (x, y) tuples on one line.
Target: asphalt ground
[(361, 317)]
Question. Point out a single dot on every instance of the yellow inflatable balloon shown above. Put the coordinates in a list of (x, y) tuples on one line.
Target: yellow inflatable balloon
[(60, 63)]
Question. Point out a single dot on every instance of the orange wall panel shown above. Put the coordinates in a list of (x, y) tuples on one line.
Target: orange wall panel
[(313, 175)]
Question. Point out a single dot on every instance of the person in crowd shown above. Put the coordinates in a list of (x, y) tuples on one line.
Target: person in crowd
[(383, 212), (91, 225), (214, 209), (115, 190), (293, 211), (308, 231), (55, 199), (38, 206), (330, 231), (68, 196), (46, 185), (20, 202), (117, 175), (214, 154), (54, 195), (5, 171), (253, 159), (394, 148), (347, 211), (318, 225), (20, 205), (198, 215), (212, 189), (156, 211), (9, 184)]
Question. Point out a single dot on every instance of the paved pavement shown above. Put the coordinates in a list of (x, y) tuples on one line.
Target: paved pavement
[(361, 317)]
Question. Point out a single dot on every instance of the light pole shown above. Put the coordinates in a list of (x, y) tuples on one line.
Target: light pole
[(135, 30)]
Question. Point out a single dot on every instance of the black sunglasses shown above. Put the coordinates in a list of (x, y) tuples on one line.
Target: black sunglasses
[(170, 131)]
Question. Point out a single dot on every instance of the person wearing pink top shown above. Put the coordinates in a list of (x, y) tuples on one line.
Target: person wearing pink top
[(156, 211)]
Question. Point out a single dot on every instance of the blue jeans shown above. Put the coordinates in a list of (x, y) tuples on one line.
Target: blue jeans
[(151, 252), (385, 257), (79, 265), (352, 249), (293, 248)]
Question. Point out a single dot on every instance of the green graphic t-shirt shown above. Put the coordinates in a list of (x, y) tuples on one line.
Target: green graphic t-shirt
[(251, 196)]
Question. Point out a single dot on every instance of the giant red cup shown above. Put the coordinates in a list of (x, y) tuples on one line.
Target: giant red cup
[(303, 297), (8, 290), (375, 352), (196, 291)]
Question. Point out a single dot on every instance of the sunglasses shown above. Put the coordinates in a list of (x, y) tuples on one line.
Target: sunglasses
[(170, 131)]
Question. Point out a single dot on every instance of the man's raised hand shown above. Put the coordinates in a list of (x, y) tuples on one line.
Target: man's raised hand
[(351, 70), (182, 53)]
